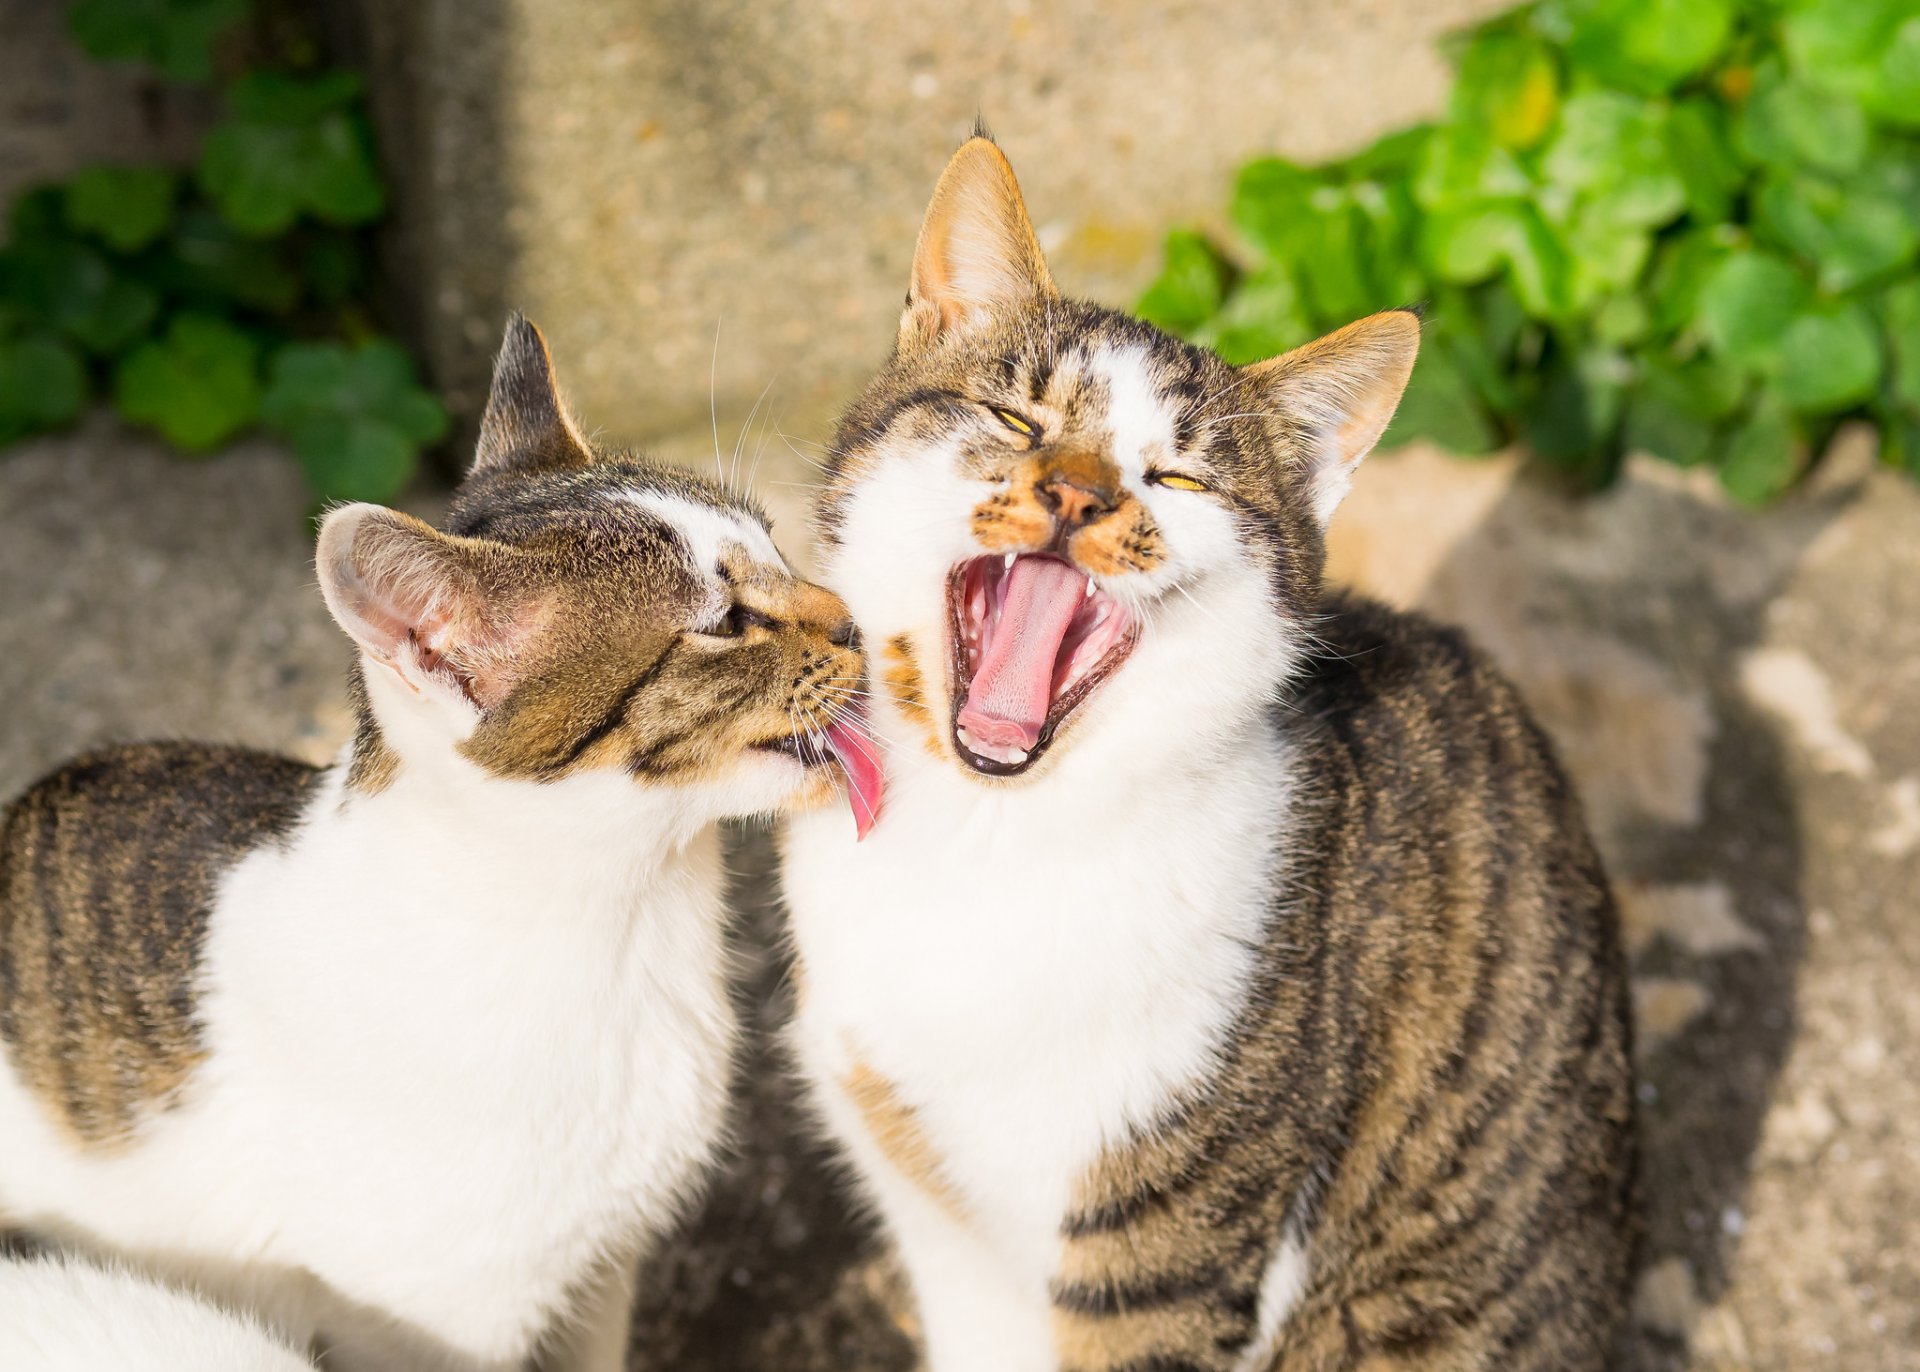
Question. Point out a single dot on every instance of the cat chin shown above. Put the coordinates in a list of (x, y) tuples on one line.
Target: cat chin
[(766, 784)]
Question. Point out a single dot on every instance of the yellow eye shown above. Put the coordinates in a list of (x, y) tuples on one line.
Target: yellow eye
[(1012, 421), (1176, 481)]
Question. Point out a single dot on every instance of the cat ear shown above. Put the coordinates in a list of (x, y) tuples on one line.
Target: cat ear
[(977, 251), (1338, 393), (526, 425), (419, 602)]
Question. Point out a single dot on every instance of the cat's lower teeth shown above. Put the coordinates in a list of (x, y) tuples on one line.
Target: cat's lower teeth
[(1012, 757)]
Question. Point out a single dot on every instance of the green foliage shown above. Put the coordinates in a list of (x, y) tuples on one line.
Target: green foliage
[(356, 417), (198, 384), (1685, 227), (175, 36), (292, 147), (202, 303)]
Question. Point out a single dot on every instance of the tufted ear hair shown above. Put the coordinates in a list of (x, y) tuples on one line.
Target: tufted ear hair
[(526, 425), (1338, 393), (432, 608), (977, 250)]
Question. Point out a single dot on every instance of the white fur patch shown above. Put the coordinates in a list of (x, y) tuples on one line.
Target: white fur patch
[(1280, 1291), (63, 1316)]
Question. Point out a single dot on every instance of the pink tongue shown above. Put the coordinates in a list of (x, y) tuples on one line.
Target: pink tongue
[(1007, 703), (859, 758)]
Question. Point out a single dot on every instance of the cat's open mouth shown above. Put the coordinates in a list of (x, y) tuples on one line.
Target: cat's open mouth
[(1032, 638)]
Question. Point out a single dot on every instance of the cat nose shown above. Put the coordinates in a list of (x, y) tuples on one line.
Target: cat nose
[(843, 634), (1073, 504)]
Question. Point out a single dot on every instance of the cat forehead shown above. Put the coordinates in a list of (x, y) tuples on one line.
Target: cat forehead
[(1092, 365), (712, 534)]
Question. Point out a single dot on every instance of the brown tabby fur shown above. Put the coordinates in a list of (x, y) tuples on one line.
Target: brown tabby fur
[(1430, 1077), (572, 616)]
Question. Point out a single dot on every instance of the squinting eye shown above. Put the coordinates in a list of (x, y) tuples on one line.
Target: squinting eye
[(737, 620), (1014, 421), (1176, 481)]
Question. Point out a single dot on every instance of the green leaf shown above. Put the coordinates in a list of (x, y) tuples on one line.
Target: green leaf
[(176, 36), (292, 147), (1613, 146), (1900, 440), (1334, 265), (1389, 254), (125, 207), (1469, 245), (1681, 266), (1677, 407), (75, 289), (1894, 93), (1191, 285), (1509, 84), (1900, 307), (1622, 319), (1646, 46), (334, 263), (198, 385), (1837, 44), (1746, 303), (1702, 155), (1273, 205), (1830, 359), (1850, 232), (1655, 425), (1539, 268), (1461, 164), (1791, 123), (356, 418), (1441, 407), (1765, 454), (207, 263), (1573, 420), (1607, 253), (1393, 158), (1264, 317), (43, 385)]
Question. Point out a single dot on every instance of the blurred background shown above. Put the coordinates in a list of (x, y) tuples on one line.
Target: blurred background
[(1658, 456)]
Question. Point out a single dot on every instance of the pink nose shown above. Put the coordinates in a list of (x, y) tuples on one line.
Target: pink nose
[(1073, 504)]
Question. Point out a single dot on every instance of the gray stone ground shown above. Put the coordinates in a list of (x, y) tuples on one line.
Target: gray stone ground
[(1733, 692)]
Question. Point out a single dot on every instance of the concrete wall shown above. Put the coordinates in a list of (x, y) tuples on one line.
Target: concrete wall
[(637, 174)]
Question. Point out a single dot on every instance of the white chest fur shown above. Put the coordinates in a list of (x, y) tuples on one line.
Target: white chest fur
[(465, 1037), (1033, 970)]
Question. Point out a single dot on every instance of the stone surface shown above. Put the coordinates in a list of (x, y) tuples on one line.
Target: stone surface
[(705, 197)]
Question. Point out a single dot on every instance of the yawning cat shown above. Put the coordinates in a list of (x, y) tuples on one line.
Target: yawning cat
[(414, 1053), (1231, 982)]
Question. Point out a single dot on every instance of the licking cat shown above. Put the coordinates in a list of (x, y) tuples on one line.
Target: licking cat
[(413, 1054), (1232, 983)]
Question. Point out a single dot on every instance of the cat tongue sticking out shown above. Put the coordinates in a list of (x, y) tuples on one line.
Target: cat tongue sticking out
[(859, 758)]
